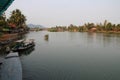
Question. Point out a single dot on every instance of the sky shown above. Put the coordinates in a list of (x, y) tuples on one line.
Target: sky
[(51, 13)]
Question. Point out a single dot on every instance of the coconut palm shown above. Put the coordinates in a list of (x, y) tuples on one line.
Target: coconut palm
[(17, 18), (2, 20)]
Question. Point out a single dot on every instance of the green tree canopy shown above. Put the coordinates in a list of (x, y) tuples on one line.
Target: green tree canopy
[(17, 18), (2, 20)]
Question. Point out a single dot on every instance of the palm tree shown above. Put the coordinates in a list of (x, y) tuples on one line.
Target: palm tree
[(3, 23), (3, 20), (109, 26), (118, 27), (17, 18)]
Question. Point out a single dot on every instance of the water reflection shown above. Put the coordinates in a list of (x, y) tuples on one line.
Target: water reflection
[(26, 52), (91, 37), (73, 56), (110, 40), (103, 39), (46, 37)]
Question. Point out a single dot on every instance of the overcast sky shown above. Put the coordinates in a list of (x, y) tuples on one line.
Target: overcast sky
[(50, 13)]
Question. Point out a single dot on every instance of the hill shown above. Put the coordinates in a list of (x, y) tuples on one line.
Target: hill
[(35, 26)]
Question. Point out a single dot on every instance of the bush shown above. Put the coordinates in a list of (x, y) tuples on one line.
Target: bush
[(1, 34)]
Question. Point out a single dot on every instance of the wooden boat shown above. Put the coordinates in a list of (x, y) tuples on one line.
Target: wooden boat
[(22, 45)]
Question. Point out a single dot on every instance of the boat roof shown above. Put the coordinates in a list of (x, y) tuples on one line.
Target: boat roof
[(19, 41), (29, 40), (23, 40)]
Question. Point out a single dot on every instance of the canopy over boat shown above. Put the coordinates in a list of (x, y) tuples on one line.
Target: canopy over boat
[(22, 45), (4, 4), (19, 41)]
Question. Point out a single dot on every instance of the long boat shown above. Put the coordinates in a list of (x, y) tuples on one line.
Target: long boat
[(22, 45)]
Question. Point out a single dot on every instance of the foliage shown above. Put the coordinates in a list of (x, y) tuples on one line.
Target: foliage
[(17, 18), (57, 29), (105, 27), (15, 23), (3, 20)]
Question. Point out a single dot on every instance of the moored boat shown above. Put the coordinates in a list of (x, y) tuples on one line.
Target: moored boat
[(22, 45)]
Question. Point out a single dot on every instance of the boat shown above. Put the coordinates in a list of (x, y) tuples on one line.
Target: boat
[(26, 52), (22, 45), (46, 37)]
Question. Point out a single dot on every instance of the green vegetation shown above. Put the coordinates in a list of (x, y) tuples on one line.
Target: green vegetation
[(58, 29), (17, 18), (3, 22), (14, 24), (89, 27)]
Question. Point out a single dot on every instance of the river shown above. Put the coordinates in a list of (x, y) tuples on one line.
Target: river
[(72, 56)]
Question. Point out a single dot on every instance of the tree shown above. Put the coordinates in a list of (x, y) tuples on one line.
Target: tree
[(3, 23), (3, 20), (17, 18)]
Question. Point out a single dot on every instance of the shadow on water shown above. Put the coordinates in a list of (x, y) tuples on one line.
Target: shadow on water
[(26, 52), (46, 37)]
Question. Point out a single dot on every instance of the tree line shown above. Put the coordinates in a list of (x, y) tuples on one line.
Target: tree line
[(14, 24), (88, 27)]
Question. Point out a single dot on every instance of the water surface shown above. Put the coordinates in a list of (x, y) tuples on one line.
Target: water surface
[(73, 56)]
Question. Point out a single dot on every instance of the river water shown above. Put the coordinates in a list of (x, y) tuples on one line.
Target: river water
[(73, 56)]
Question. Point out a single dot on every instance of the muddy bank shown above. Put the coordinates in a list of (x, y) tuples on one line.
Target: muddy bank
[(9, 40)]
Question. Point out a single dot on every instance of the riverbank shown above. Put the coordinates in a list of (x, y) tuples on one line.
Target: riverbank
[(115, 32), (5, 37), (61, 29), (8, 40)]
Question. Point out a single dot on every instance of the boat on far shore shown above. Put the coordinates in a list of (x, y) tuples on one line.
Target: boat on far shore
[(22, 45)]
